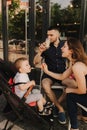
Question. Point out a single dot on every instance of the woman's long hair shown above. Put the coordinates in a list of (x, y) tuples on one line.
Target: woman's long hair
[(78, 50)]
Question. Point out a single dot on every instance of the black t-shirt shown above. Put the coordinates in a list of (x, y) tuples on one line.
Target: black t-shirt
[(86, 80), (53, 58)]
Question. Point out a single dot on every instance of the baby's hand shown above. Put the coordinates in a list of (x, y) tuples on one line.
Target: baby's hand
[(32, 82)]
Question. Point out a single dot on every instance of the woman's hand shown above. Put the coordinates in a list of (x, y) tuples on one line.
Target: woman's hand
[(71, 90), (44, 67), (67, 90)]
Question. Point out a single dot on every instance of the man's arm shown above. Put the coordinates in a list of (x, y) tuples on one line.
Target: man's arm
[(38, 58)]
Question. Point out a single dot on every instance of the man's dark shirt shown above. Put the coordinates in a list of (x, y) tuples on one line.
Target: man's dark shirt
[(53, 58)]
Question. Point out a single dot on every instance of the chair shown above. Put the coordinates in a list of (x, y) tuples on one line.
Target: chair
[(82, 107), (57, 86)]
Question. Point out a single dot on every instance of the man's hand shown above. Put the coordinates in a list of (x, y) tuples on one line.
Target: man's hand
[(42, 47)]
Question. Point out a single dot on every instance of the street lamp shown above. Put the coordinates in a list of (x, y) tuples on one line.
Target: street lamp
[(31, 31), (83, 19), (46, 18), (32, 21), (4, 30), (26, 20)]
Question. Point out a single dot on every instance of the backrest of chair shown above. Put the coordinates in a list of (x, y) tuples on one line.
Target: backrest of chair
[(35, 75)]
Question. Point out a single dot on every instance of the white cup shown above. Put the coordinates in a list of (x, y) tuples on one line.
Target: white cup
[(47, 41)]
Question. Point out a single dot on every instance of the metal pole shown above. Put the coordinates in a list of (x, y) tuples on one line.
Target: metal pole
[(83, 18), (31, 32), (26, 29), (4, 30), (46, 18)]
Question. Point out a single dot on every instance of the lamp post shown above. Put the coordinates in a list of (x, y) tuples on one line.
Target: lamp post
[(83, 27), (32, 22), (31, 31), (4, 30), (46, 18), (26, 29)]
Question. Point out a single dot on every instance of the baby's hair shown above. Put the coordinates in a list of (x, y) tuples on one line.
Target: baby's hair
[(18, 62)]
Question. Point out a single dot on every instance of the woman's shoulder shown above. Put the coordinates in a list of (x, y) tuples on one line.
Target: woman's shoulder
[(79, 66), (79, 63)]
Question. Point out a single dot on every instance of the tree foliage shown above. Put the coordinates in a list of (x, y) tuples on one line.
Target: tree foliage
[(56, 14), (16, 21), (67, 19), (17, 26), (59, 16), (13, 7), (76, 3), (66, 15)]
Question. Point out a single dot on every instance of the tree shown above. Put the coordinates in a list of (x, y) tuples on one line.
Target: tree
[(67, 19), (56, 14), (59, 17), (13, 8), (76, 3), (16, 23), (17, 26)]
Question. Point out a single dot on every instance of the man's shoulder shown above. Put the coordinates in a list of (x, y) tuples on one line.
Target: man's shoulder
[(62, 42)]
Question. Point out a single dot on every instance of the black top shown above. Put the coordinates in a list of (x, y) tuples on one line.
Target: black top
[(53, 58), (86, 79)]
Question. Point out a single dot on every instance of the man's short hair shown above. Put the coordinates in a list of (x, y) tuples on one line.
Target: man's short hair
[(53, 28)]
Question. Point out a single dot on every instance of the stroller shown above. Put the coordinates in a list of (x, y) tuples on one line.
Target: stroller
[(20, 110)]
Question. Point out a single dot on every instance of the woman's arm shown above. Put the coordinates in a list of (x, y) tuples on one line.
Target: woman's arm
[(78, 70), (57, 76)]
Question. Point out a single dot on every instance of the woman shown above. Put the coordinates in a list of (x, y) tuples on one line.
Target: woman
[(74, 52)]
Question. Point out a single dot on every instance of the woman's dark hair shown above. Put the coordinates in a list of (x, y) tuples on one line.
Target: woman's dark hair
[(78, 50)]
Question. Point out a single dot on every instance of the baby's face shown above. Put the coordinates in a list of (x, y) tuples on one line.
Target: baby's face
[(25, 67)]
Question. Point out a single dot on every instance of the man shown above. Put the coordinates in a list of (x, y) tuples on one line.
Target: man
[(56, 63)]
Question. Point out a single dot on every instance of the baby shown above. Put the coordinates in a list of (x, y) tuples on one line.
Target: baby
[(23, 67)]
